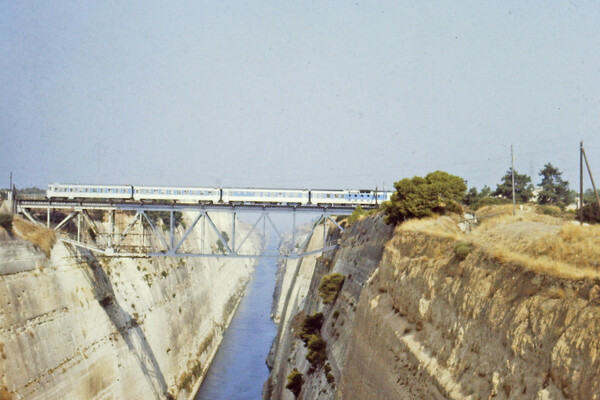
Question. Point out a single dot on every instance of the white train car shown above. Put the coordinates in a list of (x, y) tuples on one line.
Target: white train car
[(348, 197), (75, 191), (178, 194), (273, 196)]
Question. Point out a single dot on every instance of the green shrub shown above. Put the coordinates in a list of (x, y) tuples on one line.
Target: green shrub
[(553, 211), (317, 351), (357, 214), (419, 197), (6, 221), (462, 250), (330, 287), (591, 213), (489, 201), (294, 382), (311, 326)]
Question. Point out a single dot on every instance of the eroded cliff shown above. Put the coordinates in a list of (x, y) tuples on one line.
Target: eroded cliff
[(81, 327), (429, 322)]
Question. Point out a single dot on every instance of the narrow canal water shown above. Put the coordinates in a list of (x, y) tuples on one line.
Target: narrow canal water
[(238, 370)]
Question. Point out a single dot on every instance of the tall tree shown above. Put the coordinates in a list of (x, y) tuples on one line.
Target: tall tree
[(554, 190), (523, 187), (423, 197)]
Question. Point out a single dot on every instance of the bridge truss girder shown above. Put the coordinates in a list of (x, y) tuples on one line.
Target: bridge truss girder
[(111, 243)]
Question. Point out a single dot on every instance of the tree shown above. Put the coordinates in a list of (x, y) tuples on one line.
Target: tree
[(471, 197), (554, 190), (419, 197), (523, 187), (589, 196), (475, 199)]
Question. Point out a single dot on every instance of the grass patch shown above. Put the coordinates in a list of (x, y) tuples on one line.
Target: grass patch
[(330, 287), (43, 238), (553, 211), (535, 240)]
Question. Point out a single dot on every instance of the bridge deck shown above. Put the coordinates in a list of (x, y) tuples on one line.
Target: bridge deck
[(135, 206), (113, 241)]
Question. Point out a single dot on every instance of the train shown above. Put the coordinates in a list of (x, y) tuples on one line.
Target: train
[(208, 195)]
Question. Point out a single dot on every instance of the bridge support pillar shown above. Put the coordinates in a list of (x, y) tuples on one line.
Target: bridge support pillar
[(233, 232), (79, 226), (10, 200), (111, 224)]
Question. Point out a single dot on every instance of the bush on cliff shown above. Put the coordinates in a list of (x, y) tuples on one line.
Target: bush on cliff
[(462, 250), (311, 326), (294, 382), (330, 287), (6, 221), (419, 197), (317, 353)]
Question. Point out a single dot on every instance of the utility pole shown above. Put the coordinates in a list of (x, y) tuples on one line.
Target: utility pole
[(512, 168), (581, 183), (587, 164)]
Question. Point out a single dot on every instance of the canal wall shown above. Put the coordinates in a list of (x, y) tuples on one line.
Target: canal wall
[(77, 326), (414, 320), (357, 257)]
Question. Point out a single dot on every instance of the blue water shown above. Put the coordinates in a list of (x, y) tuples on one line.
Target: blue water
[(238, 370)]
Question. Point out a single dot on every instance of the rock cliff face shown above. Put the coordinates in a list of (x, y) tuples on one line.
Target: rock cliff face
[(74, 326), (356, 259), (427, 324)]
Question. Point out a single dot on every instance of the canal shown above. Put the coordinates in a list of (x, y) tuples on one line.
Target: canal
[(238, 370)]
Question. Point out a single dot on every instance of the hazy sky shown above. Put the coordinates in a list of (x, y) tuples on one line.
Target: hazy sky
[(332, 94)]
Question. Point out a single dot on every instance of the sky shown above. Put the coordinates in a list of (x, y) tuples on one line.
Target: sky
[(295, 94)]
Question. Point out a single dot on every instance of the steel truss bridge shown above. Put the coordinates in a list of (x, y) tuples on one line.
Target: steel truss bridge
[(107, 240)]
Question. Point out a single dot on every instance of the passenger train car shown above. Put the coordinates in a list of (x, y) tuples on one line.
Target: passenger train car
[(217, 195), (253, 196), (180, 194), (58, 190)]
